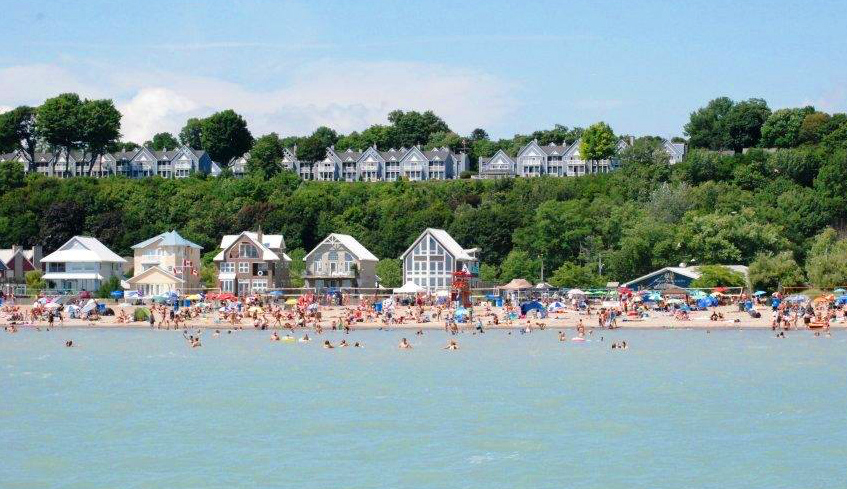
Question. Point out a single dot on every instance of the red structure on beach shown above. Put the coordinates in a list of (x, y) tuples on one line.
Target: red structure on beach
[(460, 289)]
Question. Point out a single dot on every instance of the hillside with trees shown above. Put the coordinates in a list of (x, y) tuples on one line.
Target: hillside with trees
[(758, 187)]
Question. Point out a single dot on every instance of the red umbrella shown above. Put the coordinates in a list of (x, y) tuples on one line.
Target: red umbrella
[(720, 289), (226, 297), (85, 294)]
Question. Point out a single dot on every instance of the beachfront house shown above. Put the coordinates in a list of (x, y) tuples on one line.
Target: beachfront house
[(340, 261), (81, 264), (501, 165), (676, 277), (434, 256), (252, 263), (16, 261), (166, 263)]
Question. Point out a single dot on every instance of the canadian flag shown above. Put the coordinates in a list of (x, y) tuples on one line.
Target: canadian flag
[(194, 272), (186, 263)]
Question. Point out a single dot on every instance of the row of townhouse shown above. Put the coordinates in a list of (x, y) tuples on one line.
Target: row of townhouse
[(247, 263), (560, 160), (140, 163), (371, 165)]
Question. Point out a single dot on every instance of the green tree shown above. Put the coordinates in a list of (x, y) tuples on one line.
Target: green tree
[(744, 123), (191, 134), (109, 286), (598, 142), (311, 150), (163, 141), (782, 128), (266, 155), (576, 276), (728, 238), (390, 273), (706, 127), (814, 127), (826, 266), (519, 264), (768, 271), (18, 133), (225, 135), (298, 267), (489, 273), (100, 127), (718, 276), (411, 128), (59, 123)]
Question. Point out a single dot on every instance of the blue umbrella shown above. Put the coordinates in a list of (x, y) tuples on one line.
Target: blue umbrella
[(117, 294), (759, 292), (275, 293)]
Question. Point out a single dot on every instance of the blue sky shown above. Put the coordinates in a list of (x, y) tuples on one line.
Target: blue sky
[(509, 67)]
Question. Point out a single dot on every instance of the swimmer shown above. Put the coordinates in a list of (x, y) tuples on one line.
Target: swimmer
[(343, 344), (623, 345), (452, 345), (274, 336), (69, 343), (562, 336), (358, 345), (404, 344), (327, 344), (305, 338), (216, 333)]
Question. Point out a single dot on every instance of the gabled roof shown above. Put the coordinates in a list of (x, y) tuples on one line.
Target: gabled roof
[(83, 249), (692, 272), (270, 242), (8, 254), (447, 241), (437, 154), (171, 238), (352, 244)]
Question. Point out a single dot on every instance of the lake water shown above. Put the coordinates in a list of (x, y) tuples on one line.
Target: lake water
[(679, 409)]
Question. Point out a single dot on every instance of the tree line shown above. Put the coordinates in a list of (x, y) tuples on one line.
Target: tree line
[(779, 206)]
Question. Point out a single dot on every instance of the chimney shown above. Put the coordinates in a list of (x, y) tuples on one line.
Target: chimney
[(37, 254), (259, 235)]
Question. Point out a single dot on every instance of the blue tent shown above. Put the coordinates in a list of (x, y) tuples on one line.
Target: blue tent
[(707, 302), (117, 294), (841, 300), (533, 305)]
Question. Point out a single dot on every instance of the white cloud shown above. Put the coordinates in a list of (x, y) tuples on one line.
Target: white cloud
[(344, 95), (153, 110)]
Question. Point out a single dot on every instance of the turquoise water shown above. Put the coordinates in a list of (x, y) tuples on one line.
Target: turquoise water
[(679, 409)]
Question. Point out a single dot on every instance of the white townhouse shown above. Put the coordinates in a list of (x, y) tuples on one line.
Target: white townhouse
[(433, 257), (560, 160), (373, 165), (140, 163), (82, 263), (340, 261)]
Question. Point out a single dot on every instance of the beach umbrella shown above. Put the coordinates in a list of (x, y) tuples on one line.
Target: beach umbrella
[(226, 297), (839, 291), (674, 301), (575, 292), (291, 302), (117, 294), (759, 292), (698, 294), (193, 297), (797, 298), (275, 293), (720, 289), (52, 305)]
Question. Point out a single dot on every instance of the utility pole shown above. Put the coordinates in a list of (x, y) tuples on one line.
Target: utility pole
[(541, 257), (600, 264)]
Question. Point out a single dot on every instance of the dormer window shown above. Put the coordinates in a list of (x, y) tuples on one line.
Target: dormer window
[(246, 250)]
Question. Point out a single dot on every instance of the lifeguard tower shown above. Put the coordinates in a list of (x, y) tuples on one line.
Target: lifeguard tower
[(460, 289)]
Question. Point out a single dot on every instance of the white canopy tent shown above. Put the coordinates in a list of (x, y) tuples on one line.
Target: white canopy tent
[(409, 288)]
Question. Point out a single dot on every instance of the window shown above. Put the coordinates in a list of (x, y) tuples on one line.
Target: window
[(247, 251), (227, 286), (228, 267), (333, 255), (243, 267), (260, 286)]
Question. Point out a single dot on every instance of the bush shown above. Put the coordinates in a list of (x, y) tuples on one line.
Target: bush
[(109, 286), (34, 281), (141, 314), (768, 271)]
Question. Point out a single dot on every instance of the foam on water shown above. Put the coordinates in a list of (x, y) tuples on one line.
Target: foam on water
[(137, 408)]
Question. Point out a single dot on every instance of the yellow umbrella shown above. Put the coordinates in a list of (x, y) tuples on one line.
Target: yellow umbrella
[(193, 297), (291, 302)]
